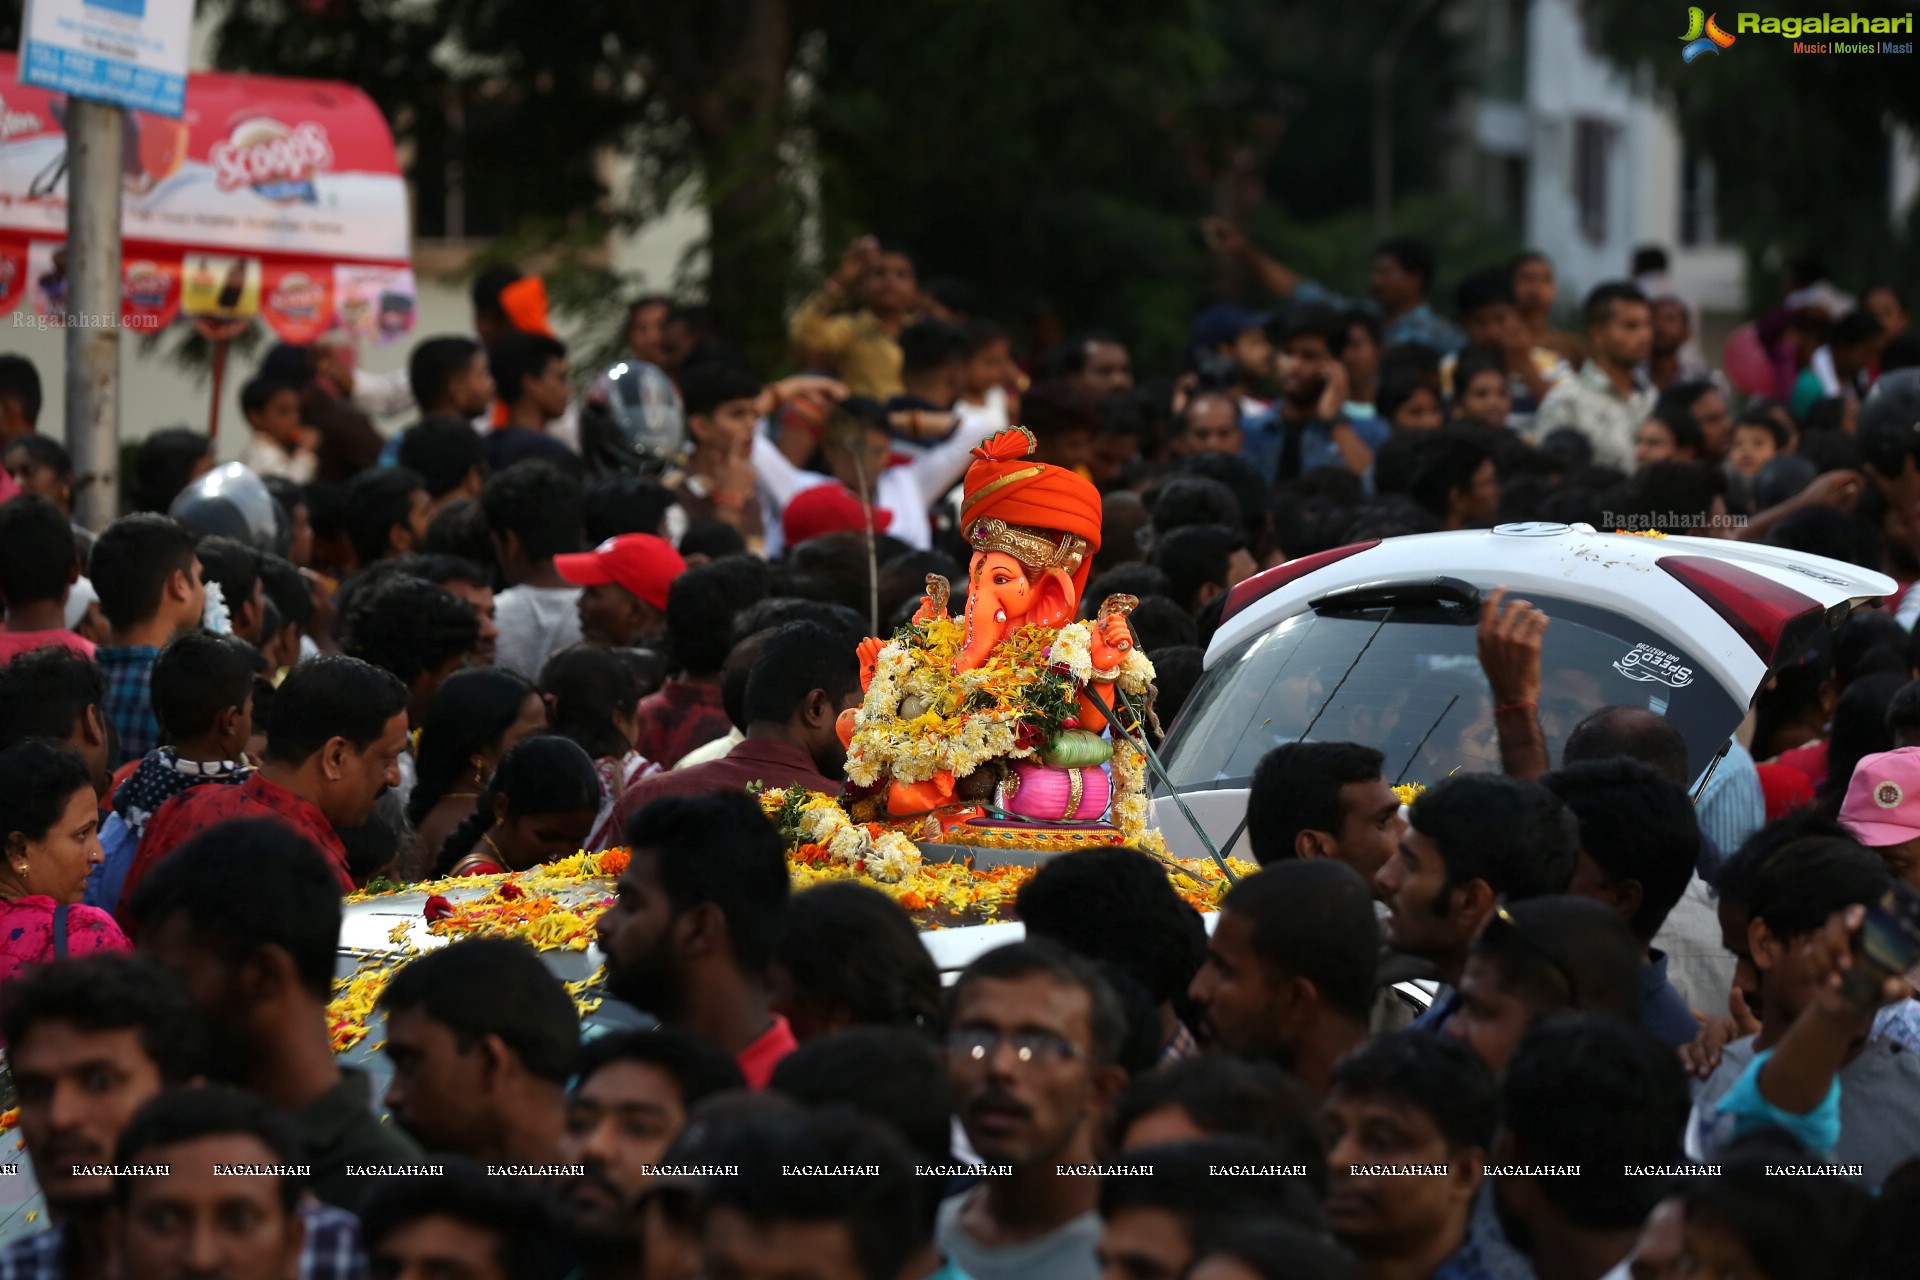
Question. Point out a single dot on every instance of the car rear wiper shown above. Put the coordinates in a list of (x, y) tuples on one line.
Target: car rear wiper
[(1451, 595)]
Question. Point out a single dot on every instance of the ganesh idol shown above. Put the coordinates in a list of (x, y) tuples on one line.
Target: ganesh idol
[(1013, 725)]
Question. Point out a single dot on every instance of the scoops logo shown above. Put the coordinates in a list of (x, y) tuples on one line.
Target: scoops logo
[(1703, 35), (298, 297), (146, 285), (277, 162)]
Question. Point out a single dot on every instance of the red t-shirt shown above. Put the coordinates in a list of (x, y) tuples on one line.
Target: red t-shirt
[(758, 1059), (198, 808), (15, 643), (1809, 759)]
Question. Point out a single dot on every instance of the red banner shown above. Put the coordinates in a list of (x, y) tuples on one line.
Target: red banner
[(296, 179), (258, 165)]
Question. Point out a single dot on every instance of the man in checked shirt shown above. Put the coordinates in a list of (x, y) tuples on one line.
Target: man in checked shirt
[(90, 1041)]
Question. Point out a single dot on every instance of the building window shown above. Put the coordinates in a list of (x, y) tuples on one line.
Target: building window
[(1697, 219), (1592, 156)]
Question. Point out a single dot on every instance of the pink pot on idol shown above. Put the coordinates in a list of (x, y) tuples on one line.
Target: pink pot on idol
[(1052, 794)]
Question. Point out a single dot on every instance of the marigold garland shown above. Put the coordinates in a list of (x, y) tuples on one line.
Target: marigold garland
[(555, 906), (818, 832), (520, 904)]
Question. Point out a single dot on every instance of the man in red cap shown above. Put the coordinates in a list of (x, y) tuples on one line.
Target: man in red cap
[(626, 580), (828, 508)]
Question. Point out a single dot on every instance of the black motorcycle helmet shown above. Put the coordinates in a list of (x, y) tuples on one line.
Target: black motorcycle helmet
[(1889, 428)]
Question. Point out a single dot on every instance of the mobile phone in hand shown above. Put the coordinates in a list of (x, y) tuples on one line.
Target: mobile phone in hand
[(1887, 945)]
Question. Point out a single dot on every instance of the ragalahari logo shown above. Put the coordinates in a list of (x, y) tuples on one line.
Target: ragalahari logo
[(1703, 35), (277, 162)]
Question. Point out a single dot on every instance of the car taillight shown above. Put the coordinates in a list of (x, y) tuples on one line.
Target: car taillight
[(1773, 619), (1271, 580)]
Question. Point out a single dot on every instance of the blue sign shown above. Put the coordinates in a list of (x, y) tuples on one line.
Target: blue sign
[(132, 53)]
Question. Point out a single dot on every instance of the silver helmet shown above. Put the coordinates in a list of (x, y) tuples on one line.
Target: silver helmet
[(232, 502), (643, 404)]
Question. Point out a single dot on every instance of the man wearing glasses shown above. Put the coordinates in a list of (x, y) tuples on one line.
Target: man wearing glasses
[(1036, 1031)]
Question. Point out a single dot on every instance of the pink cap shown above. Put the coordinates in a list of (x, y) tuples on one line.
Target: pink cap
[(1883, 800)]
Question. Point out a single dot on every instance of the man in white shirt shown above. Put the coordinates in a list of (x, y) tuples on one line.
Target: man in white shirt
[(1608, 399), (860, 450), (535, 511)]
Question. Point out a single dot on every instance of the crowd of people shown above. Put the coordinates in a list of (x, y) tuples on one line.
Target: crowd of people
[(533, 622)]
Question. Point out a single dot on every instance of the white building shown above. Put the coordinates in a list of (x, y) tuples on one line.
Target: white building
[(1585, 161)]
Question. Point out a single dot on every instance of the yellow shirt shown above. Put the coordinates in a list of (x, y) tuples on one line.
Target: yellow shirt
[(854, 344)]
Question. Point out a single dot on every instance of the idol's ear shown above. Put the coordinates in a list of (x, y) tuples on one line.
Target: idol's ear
[(1055, 599)]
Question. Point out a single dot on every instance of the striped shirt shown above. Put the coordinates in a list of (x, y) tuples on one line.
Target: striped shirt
[(1733, 806)]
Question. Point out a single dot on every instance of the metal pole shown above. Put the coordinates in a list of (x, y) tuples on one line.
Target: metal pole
[(93, 305), (219, 382)]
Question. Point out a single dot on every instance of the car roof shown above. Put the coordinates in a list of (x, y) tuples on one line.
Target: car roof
[(1618, 572)]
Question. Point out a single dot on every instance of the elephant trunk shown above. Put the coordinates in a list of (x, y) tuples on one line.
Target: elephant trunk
[(986, 624)]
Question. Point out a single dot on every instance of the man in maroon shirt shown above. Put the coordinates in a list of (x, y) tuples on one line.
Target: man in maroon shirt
[(694, 921), (806, 676), (334, 743), (701, 606)]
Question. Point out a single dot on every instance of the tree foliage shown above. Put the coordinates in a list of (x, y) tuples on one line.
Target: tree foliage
[(1057, 154)]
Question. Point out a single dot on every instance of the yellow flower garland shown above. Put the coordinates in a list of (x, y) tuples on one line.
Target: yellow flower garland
[(555, 906)]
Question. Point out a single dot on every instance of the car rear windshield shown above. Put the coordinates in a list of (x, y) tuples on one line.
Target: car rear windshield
[(1408, 682)]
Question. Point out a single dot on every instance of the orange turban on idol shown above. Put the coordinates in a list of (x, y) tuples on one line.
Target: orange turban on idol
[(1005, 484)]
